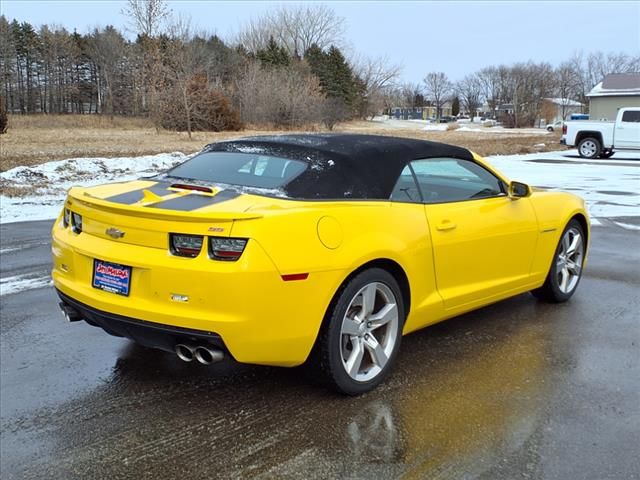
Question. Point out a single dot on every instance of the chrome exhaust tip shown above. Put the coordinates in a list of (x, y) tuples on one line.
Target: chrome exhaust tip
[(207, 356), (69, 313), (184, 352)]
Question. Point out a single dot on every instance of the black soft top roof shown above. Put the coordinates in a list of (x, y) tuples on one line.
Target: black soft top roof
[(343, 165)]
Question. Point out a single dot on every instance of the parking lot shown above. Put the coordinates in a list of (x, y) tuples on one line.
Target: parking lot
[(517, 388)]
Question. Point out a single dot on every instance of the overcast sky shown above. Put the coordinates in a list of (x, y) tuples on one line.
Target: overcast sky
[(454, 37)]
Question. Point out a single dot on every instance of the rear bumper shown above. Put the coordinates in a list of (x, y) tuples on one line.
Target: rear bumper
[(244, 306), (148, 334)]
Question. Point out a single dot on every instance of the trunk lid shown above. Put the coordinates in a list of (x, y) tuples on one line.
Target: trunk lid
[(144, 212)]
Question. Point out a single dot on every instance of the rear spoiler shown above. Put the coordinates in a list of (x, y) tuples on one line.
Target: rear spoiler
[(79, 196)]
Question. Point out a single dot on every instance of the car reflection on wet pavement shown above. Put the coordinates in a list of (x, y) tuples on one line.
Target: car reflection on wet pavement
[(519, 389)]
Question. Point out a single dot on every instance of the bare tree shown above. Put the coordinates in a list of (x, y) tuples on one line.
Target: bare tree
[(438, 88), (567, 85), (411, 95), (375, 74), (188, 101), (489, 79), (470, 91), (286, 96), (592, 68), (600, 65), (106, 48), (188, 58), (146, 16), (296, 27), (530, 83), (391, 96), (333, 110), (255, 34)]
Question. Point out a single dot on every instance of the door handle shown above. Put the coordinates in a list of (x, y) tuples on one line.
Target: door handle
[(446, 225)]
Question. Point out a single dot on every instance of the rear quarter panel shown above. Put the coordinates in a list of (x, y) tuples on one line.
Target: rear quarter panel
[(367, 231)]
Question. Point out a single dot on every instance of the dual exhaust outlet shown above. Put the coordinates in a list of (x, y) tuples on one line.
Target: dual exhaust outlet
[(185, 352), (204, 355)]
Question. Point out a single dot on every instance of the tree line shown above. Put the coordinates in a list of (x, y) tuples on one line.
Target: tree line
[(520, 88), (286, 68)]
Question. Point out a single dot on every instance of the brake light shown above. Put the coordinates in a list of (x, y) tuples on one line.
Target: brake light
[(197, 188), (185, 245), (227, 249), (66, 218), (76, 222), (564, 128)]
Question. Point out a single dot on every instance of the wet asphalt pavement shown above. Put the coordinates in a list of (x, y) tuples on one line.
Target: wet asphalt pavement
[(520, 389)]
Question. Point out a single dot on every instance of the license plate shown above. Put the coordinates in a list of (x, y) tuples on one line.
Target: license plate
[(111, 277)]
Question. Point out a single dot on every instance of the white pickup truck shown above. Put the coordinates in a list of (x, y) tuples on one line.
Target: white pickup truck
[(603, 139)]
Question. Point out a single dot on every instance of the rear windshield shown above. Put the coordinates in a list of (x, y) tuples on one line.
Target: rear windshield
[(242, 169)]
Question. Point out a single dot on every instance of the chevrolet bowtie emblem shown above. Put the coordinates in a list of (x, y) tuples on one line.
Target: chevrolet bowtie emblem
[(114, 232)]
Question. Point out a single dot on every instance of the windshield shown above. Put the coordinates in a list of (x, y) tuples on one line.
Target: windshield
[(243, 169)]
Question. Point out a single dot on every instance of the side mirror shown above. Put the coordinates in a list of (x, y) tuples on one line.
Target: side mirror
[(519, 190)]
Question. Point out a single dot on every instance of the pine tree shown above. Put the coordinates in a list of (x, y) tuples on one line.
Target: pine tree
[(336, 76), (455, 106), (273, 55), (342, 82)]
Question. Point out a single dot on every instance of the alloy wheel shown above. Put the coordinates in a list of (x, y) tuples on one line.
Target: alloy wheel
[(369, 331), (569, 260)]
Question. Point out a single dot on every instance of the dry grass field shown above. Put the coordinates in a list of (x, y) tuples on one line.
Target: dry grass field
[(502, 142), (36, 139)]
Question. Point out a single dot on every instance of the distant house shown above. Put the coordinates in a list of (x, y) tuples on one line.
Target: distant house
[(556, 109), (504, 111), (406, 113), (424, 112), (615, 91)]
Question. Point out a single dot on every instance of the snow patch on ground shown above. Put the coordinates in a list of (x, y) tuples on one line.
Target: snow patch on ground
[(466, 126), (10, 249), (627, 226), (436, 127), (609, 187), (502, 130), (20, 283), (51, 181)]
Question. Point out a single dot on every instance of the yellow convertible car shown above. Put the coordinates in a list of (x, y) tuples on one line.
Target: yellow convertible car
[(278, 250)]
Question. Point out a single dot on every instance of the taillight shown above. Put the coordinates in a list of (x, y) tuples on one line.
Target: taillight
[(66, 218), (228, 249), (76, 222), (564, 129), (185, 245)]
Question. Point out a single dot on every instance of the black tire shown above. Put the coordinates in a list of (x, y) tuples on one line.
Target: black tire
[(549, 129), (606, 153), (589, 147), (551, 290), (327, 359)]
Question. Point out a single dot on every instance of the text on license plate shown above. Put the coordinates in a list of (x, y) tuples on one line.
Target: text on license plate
[(111, 277)]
